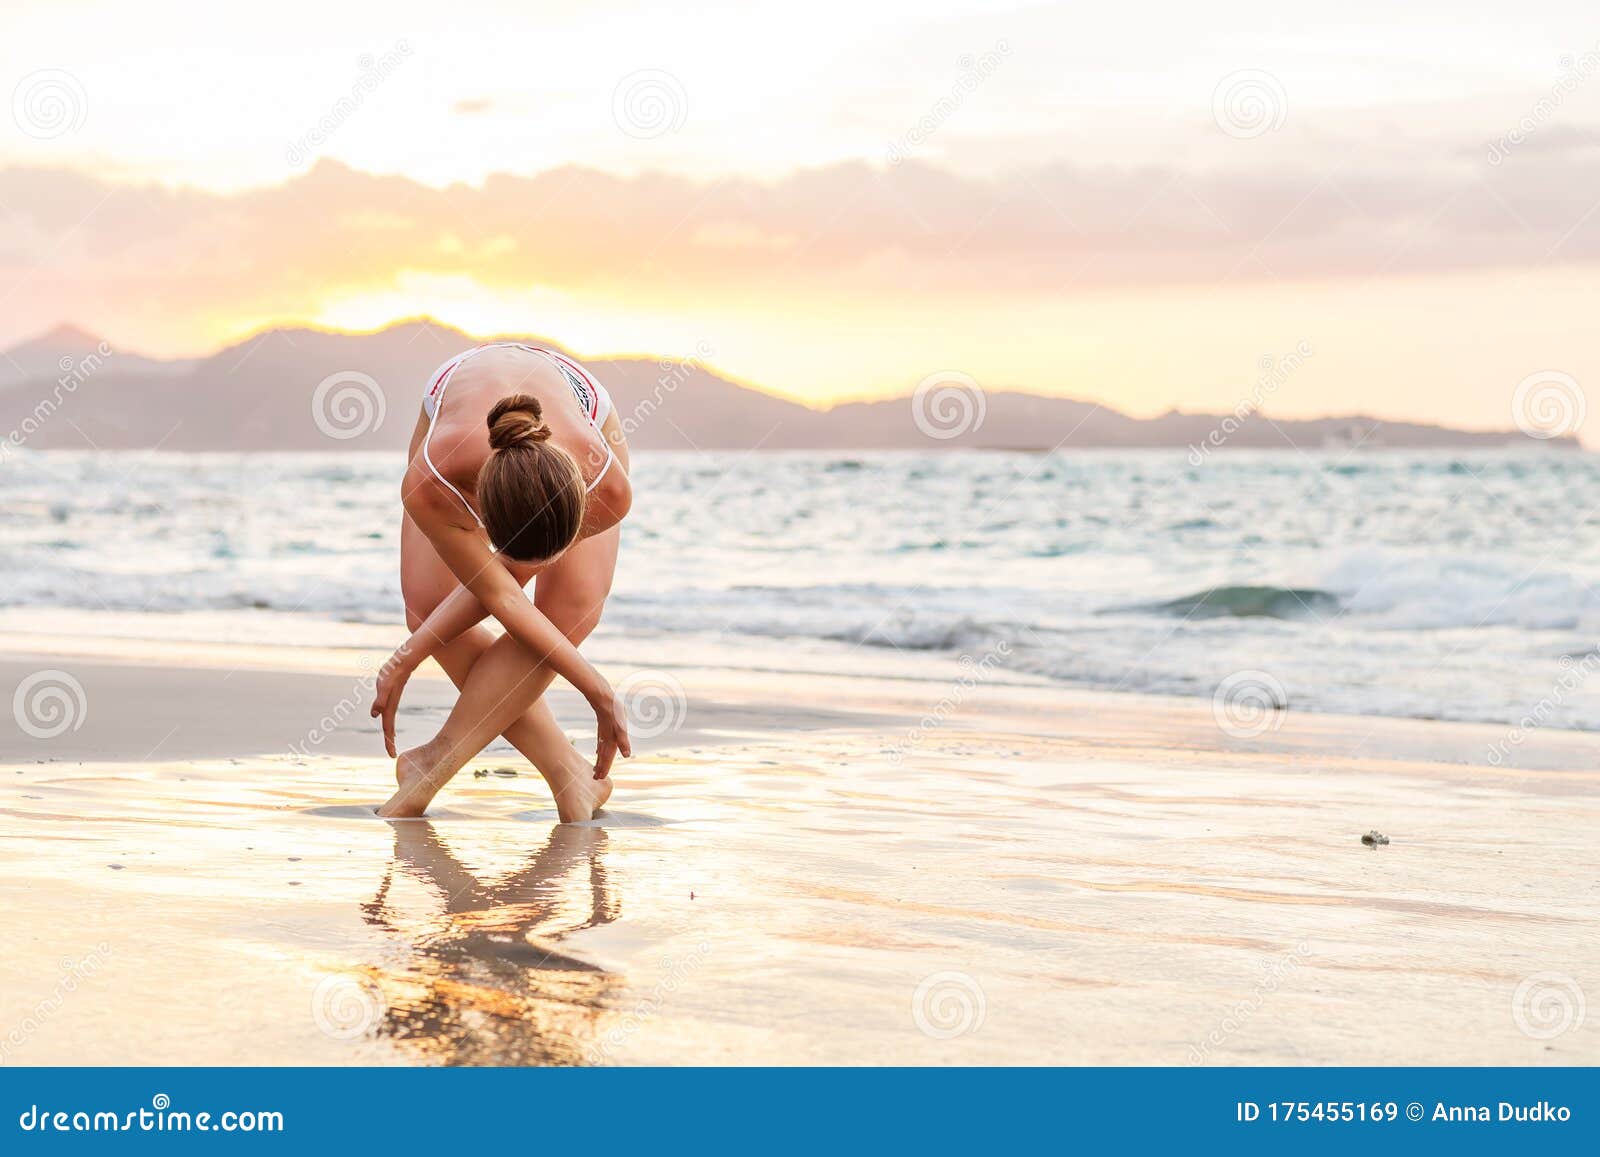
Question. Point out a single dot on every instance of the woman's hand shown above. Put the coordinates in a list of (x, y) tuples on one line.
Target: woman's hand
[(391, 684), (611, 728)]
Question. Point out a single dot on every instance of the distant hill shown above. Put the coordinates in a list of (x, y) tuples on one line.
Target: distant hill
[(259, 395), (46, 356)]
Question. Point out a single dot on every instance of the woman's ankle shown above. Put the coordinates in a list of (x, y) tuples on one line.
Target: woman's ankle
[(427, 761)]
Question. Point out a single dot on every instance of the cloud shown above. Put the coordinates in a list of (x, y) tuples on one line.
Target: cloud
[(912, 228)]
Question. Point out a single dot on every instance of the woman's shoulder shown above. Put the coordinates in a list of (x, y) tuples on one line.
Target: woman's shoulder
[(426, 491)]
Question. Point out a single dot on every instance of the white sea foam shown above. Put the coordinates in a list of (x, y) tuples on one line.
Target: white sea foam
[(1408, 584)]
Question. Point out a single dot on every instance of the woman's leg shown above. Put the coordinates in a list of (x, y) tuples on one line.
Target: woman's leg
[(502, 685), (425, 580)]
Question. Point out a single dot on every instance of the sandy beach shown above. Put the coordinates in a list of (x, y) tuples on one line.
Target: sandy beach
[(804, 869)]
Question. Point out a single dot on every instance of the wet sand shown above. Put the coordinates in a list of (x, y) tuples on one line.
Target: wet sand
[(800, 870)]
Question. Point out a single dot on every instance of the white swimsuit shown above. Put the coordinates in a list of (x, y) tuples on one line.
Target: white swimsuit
[(591, 395)]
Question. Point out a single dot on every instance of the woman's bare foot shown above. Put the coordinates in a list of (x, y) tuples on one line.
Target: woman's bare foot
[(581, 796), (417, 786), (578, 794)]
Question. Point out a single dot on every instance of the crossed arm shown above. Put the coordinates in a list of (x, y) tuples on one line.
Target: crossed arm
[(489, 587)]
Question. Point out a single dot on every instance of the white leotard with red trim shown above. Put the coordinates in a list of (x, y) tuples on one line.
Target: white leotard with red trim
[(591, 396)]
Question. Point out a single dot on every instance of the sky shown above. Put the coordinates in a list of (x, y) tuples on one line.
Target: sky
[(1140, 204)]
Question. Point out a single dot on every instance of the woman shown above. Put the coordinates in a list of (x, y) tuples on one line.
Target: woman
[(518, 468)]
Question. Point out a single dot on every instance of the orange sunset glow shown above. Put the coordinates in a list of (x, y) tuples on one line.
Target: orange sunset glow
[(1114, 230)]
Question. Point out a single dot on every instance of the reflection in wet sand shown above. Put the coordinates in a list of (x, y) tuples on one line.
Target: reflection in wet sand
[(485, 981)]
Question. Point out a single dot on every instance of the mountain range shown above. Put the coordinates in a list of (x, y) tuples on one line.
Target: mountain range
[(58, 391)]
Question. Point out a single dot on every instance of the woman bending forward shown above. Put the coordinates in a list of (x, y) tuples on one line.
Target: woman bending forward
[(518, 468)]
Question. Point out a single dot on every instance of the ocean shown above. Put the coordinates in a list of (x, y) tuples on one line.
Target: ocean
[(1424, 585)]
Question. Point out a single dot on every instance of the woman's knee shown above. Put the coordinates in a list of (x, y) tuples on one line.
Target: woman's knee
[(575, 613), (418, 608)]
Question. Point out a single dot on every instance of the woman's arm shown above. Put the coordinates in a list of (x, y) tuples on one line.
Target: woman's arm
[(609, 502), (454, 615), (485, 578), (458, 613), (467, 554)]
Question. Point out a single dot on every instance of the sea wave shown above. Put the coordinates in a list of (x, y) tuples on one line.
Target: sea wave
[(1407, 586), (1241, 602)]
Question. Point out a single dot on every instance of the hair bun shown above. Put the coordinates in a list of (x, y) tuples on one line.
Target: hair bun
[(517, 421)]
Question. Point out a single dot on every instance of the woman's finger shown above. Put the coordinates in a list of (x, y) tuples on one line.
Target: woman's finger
[(388, 727), (604, 753)]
